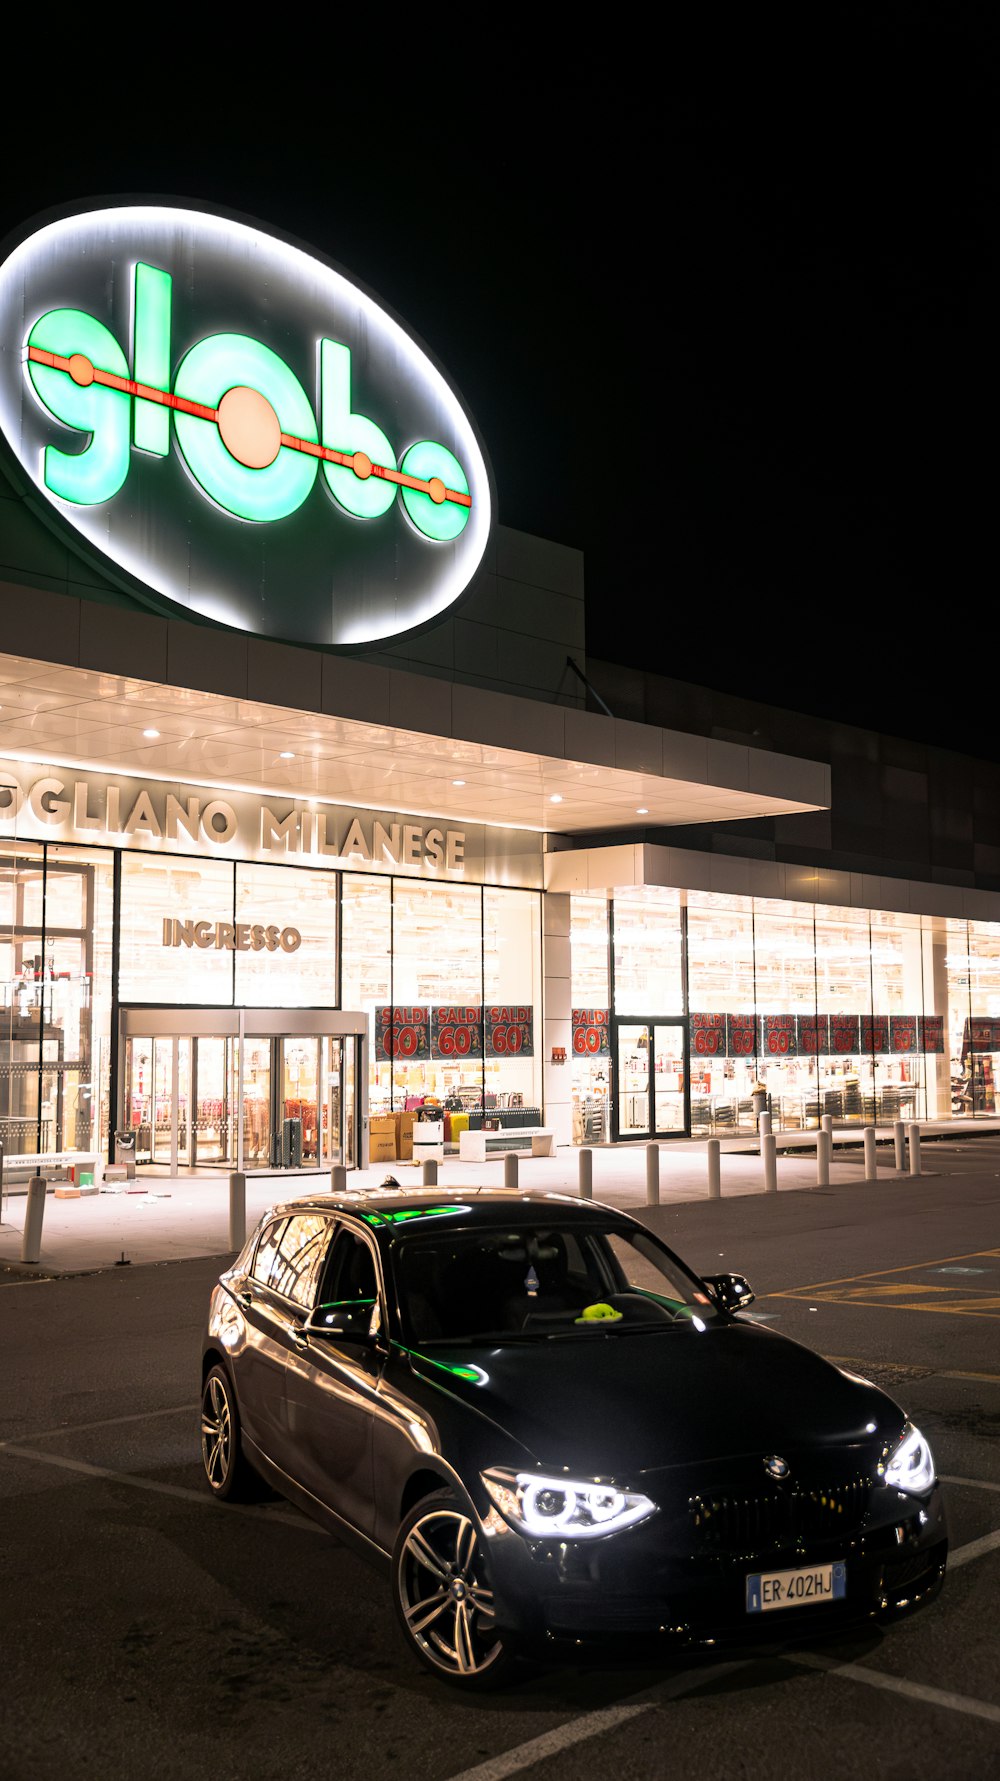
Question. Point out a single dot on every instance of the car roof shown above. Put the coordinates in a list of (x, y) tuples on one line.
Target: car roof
[(400, 1209)]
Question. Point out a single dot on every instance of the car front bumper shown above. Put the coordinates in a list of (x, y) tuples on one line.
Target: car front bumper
[(656, 1583)]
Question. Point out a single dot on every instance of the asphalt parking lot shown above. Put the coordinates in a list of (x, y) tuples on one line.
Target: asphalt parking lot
[(150, 1629)]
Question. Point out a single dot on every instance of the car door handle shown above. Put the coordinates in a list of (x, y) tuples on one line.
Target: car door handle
[(245, 1299)]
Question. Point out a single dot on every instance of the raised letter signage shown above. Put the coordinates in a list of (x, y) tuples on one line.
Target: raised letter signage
[(225, 423)]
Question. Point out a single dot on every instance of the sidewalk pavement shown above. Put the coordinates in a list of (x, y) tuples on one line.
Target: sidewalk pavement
[(158, 1218)]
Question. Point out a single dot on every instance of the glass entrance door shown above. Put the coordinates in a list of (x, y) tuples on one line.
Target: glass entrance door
[(651, 1078), (234, 1099)]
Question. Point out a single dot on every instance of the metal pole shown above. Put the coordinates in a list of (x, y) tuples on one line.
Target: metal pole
[(824, 1147), (899, 1143), (871, 1159), (914, 1136), (586, 1174), (510, 1169), (31, 1241), (430, 1172), (714, 1149), (338, 1179), (769, 1152), (237, 1209), (652, 1174)]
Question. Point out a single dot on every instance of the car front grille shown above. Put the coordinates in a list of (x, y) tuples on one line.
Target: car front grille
[(778, 1517)]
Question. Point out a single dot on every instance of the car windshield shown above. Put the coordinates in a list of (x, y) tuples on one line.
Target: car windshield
[(542, 1283)]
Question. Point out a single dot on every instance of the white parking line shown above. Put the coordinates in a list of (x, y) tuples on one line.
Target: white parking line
[(183, 1491), (106, 1422), (972, 1483), (914, 1691), (592, 1725), (975, 1549)]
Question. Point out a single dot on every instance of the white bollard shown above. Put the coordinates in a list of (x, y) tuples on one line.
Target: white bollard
[(586, 1174), (764, 1125), (237, 1210), (826, 1123), (871, 1159), (338, 1179), (899, 1144), (914, 1136), (652, 1174), (430, 1172), (31, 1240), (714, 1149), (824, 1147), (769, 1153), (510, 1169)]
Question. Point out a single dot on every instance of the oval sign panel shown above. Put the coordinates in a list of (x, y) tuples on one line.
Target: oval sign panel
[(234, 426)]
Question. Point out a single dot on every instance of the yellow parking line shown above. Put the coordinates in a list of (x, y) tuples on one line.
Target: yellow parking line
[(878, 1273)]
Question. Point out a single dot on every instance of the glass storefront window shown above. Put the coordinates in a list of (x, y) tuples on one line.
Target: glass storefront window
[(591, 999), (649, 975), (155, 890), (296, 908), (721, 982), (512, 966), (366, 969), (22, 1132), (437, 961)]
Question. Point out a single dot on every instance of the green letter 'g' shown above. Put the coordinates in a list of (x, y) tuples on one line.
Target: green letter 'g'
[(98, 471)]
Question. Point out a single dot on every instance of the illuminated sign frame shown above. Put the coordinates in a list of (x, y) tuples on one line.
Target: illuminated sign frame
[(227, 424)]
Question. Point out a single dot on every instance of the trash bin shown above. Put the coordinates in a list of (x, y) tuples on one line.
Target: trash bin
[(291, 1144), (758, 1100), (428, 1135), (125, 1152)]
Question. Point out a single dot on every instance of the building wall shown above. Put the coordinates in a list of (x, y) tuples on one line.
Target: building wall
[(898, 809), (521, 618)]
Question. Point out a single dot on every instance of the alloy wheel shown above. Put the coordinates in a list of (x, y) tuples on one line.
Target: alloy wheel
[(216, 1432), (446, 1602)]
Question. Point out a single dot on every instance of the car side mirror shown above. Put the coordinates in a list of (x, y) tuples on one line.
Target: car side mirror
[(337, 1323), (730, 1291)]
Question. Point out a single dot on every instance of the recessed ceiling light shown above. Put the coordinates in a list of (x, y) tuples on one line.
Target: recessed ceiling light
[(458, 782), (286, 755), (642, 810), (152, 734), (556, 798)]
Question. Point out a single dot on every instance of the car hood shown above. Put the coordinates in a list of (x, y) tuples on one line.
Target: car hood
[(613, 1404)]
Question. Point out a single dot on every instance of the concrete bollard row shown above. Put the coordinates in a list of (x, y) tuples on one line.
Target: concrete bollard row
[(430, 1172), (871, 1155), (237, 1210), (769, 1157), (824, 1152), (899, 1144), (714, 1149), (586, 1167), (338, 1179), (31, 1237), (652, 1174), (510, 1169), (914, 1136)]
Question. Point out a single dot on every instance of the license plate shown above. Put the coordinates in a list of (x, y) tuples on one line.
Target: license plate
[(796, 1589)]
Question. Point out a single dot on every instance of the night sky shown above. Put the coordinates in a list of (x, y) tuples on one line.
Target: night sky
[(730, 331)]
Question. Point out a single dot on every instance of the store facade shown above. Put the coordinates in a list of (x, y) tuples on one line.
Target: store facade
[(300, 775)]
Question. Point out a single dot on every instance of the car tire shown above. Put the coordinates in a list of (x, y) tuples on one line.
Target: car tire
[(443, 1593), (228, 1474)]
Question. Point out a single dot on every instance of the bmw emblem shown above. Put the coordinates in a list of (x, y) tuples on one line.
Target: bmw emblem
[(775, 1467)]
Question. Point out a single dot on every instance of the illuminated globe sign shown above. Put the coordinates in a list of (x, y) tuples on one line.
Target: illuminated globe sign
[(228, 425)]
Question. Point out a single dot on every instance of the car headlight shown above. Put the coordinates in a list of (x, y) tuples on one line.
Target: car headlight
[(910, 1466), (564, 1508)]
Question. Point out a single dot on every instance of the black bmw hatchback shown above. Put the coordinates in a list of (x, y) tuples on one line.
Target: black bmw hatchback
[(552, 1433)]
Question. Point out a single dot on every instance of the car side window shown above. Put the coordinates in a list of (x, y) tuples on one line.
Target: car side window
[(299, 1258), (350, 1279), (267, 1249)]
